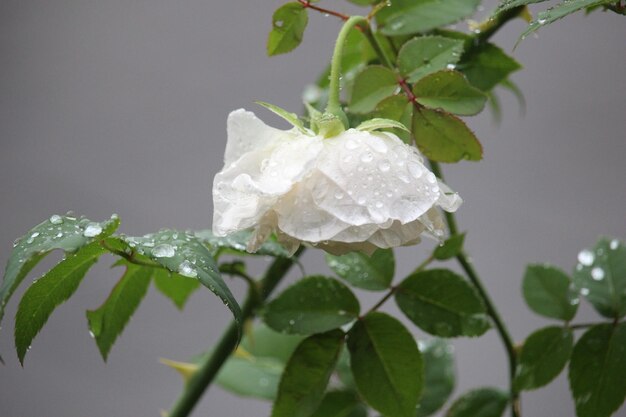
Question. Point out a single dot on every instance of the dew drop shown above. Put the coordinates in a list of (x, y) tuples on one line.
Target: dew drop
[(92, 230), (56, 219), (338, 195), (163, 250), (384, 166), (351, 144), (597, 273), (584, 291), (186, 269), (415, 170), (614, 244), (431, 178), (367, 157), (586, 257)]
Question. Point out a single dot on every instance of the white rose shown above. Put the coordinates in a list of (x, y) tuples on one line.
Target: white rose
[(358, 190)]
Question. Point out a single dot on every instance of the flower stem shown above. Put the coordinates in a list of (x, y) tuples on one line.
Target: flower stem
[(503, 332), (208, 369), (334, 90)]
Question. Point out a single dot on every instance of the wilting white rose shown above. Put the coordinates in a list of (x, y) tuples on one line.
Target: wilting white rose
[(358, 190)]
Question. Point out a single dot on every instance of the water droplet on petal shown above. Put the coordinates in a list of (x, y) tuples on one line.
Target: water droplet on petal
[(431, 178), (384, 166), (367, 157), (351, 144), (415, 170)]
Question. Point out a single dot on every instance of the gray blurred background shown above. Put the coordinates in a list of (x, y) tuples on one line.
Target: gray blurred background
[(120, 106)]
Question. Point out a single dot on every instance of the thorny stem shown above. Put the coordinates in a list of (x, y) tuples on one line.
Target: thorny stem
[(207, 370), (479, 38)]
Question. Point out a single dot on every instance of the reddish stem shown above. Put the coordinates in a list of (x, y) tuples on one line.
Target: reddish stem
[(307, 5)]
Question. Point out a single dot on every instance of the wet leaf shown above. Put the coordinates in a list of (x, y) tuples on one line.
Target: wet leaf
[(312, 305), (439, 375), (548, 292), (449, 91), (442, 303), (387, 365), (425, 55), (450, 248), (288, 24), (371, 86), (175, 286), (482, 402), (373, 273)]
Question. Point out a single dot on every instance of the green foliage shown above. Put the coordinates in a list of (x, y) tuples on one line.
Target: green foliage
[(340, 404), (175, 286), (404, 17), (58, 232), (184, 253), (596, 371), (487, 66), (560, 11), (439, 376), (306, 375), (373, 273), (482, 402), (235, 244), (291, 118), (288, 24), (377, 123), (425, 55), (510, 4), (442, 303), (48, 292), (600, 276), (397, 108), (107, 322), (443, 137), (548, 292), (257, 365), (543, 356), (450, 248), (312, 305), (371, 86), (387, 365), (449, 91)]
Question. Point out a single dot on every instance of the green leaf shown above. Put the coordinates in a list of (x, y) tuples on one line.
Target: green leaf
[(510, 4), (236, 243), (548, 292), (378, 124), (400, 109), (59, 232), (306, 375), (175, 286), (450, 91), (340, 404), (373, 273), (442, 303), (596, 371), (108, 321), (387, 365), (439, 375), (544, 355), (312, 305), (600, 276), (291, 118), (445, 138), (48, 292), (486, 66), (482, 402), (251, 377), (257, 365), (185, 254), (371, 86), (558, 12), (450, 248), (404, 17), (288, 24), (425, 55)]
